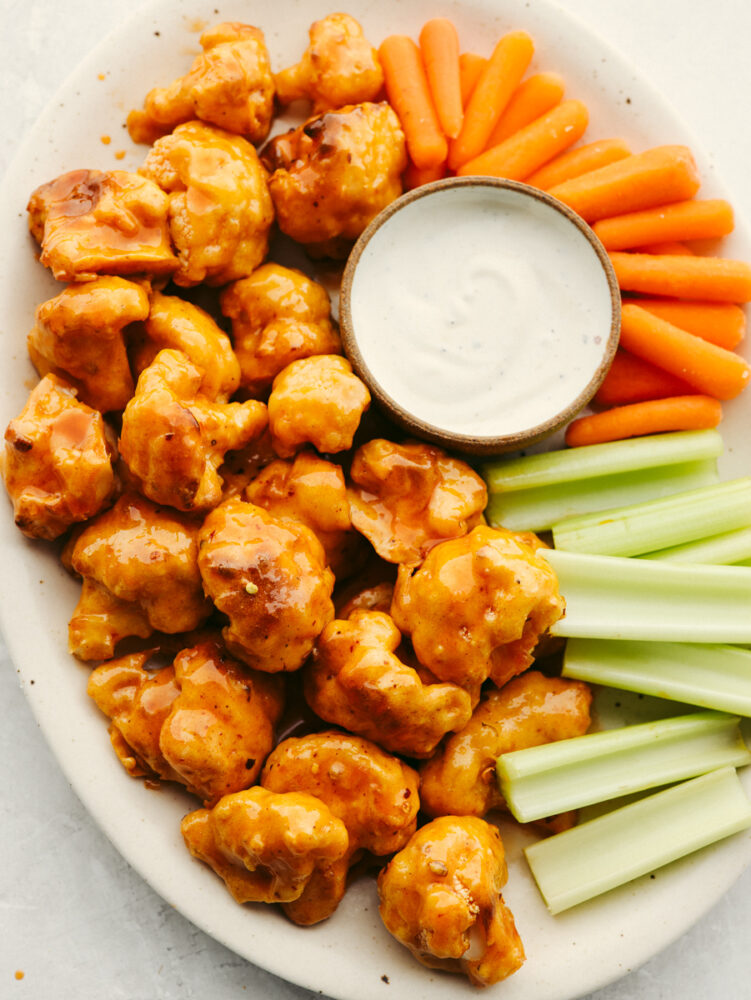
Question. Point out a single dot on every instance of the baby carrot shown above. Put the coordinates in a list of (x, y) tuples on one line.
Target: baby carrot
[(439, 45), (530, 147), (532, 98), (672, 247), (498, 80), (658, 176), (579, 161), (415, 176), (470, 67), (717, 322), (633, 380), (684, 220), (713, 278), (409, 95), (678, 413), (709, 368)]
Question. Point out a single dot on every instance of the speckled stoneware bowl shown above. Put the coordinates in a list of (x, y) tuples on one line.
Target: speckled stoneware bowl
[(599, 282)]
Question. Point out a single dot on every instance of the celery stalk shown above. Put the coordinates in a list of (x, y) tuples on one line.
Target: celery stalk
[(711, 676), (597, 460), (608, 597), (723, 549), (613, 849), (553, 778), (659, 524), (539, 508)]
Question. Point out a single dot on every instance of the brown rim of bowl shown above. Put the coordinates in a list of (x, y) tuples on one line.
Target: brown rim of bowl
[(470, 443)]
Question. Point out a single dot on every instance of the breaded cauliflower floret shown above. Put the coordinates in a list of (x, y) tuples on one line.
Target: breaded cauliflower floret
[(374, 794), (90, 223), (220, 210), (140, 568), (477, 606), (441, 897), (355, 680), (408, 497), (79, 335), (339, 67), (312, 490), (530, 710), (268, 575), (183, 326), (335, 173), (57, 463), (316, 401), (278, 316), (229, 85), (173, 439), (266, 846)]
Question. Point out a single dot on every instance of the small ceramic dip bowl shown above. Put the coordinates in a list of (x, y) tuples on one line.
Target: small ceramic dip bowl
[(481, 313)]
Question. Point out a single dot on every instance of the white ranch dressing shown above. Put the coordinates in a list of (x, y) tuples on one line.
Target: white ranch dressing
[(481, 310)]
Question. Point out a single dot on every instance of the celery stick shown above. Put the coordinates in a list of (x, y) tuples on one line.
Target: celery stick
[(598, 460), (553, 778), (711, 676), (658, 524), (539, 508), (613, 849), (608, 597), (723, 549)]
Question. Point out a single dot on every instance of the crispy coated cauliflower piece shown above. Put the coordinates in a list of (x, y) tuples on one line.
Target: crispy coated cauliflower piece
[(177, 324), (278, 316), (477, 606), (220, 210), (441, 897), (57, 463), (339, 67), (140, 568), (266, 846), (80, 335), (268, 575), (355, 680), (319, 401), (408, 497), (335, 173), (371, 792), (90, 223), (205, 722), (173, 439), (530, 710), (312, 491), (229, 85)]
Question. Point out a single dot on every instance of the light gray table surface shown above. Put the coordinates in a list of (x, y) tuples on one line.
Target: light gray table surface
[(74, 918)]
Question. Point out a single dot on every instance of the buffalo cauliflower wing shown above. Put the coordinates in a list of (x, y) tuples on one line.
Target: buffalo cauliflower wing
[(90, 223), (355, 680), (139, 564), (173, 439), (183, 326), (79, 334), (371, 792), (220, 210), (335, 173), (229, 85), (339, 67), (269, 576), (278, 316), (266, 846), (441, 897), (530, 710), (57, 463), (316, 401), (408, 497), (477, 605)]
